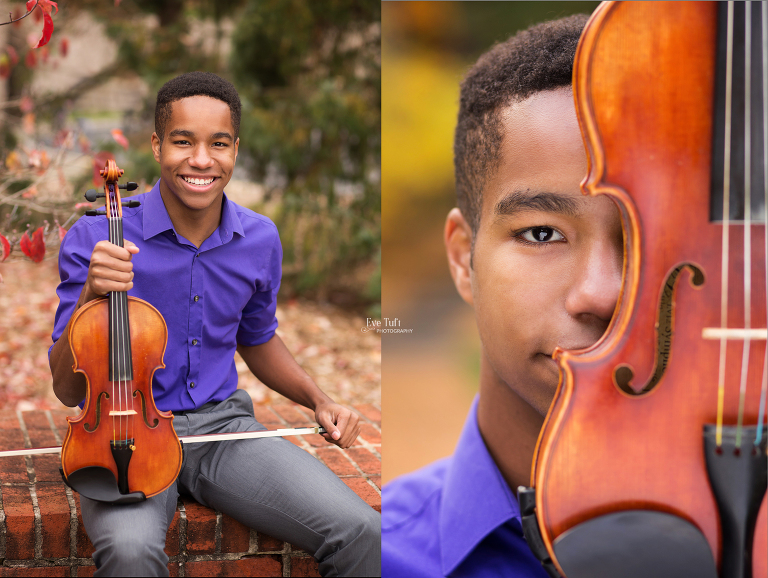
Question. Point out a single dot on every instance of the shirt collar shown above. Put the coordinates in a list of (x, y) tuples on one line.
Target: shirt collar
[(476, 498), (156, 219)]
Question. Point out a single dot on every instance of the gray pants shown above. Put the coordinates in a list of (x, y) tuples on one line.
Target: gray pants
[(267, 484)]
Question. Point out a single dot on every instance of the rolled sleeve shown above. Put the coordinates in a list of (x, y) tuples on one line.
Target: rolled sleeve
[(258, 322)]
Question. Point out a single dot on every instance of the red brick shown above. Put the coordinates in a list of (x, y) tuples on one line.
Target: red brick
[(294, 440), (173, 569), (13, 470), (376, 480), (304, 566), (8, 420), (235, 537), (370, 433), (363, 489), (201, 528), (44, 571), (267, 543), (39, 429), (86, 571), (335, 459), (85, 548), (47, 468), (20, 524), (54, 513), (255, 566), (264, 414), (172, 536), (315, 440), (292, 415), (60, 419), (367, 462), (370, 412)]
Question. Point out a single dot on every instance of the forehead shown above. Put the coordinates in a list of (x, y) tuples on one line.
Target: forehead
[(203, 111), (542, 148)]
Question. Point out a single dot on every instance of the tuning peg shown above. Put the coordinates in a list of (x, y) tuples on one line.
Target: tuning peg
[(128, 186), (92, 194), (93, 213), (131, 204)]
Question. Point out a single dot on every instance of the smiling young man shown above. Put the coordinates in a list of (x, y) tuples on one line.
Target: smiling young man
[(213, 269), (541, 265)]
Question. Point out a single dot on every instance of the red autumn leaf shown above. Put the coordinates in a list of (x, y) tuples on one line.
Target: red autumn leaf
[(119, 137), (30, 59), (26, 104), (17, 14), (6, 246), (12, 54), (64, 46), (33, 248), (99, 160), (62, 232), (46, 6), (85, 144), (47, 30)]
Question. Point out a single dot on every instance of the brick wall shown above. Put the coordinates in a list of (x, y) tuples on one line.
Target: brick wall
[(41, 531)]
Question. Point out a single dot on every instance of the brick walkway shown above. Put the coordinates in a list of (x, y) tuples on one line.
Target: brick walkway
[(41, 532)]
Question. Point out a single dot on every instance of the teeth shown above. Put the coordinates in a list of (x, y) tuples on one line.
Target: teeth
[(198, 181)]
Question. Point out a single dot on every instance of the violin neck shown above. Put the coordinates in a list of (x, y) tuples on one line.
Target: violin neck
[(120, 358)]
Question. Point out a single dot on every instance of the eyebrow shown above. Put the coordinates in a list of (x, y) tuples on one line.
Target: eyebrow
[(520, 201), (190, 134)]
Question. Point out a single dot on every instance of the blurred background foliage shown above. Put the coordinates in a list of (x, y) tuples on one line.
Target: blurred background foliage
[(308, 74), (431, 375)]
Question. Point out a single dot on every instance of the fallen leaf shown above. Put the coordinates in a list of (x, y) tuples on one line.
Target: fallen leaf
[(6, 246), (119, 137), (33, 248)]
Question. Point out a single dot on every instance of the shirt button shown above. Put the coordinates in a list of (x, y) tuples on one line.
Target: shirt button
[(192, 384), (194, 342), (197, 298)]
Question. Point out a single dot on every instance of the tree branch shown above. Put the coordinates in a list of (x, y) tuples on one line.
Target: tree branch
[(10, 16)]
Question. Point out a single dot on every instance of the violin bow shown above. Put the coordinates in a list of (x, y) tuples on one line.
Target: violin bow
[(197, 439)]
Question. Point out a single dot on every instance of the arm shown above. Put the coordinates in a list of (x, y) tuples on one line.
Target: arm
[(110, 269), (276, 368)]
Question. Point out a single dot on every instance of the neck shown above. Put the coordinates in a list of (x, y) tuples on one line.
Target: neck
[(195, 225), (509, 425)]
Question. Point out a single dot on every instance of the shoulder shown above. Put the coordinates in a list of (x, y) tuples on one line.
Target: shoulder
[(253, 221), (409, 523)]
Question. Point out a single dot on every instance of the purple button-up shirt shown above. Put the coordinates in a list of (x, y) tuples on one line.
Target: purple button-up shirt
[(212, 298), (456, 517)]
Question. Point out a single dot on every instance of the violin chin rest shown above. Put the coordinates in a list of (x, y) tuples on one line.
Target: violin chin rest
[(97, 483), (635, 544)]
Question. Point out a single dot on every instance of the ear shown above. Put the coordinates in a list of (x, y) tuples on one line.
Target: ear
[(458, 246), (156, 146), (237, 145)]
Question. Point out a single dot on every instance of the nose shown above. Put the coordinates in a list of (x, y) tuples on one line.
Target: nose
[(593, 296), (201, 157)]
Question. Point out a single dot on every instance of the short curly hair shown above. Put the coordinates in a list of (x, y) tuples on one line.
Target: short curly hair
[(533, 60), (195, 84)]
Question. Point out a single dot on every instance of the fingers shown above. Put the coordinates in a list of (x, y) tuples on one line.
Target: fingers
[(342, 423), (111, 268)]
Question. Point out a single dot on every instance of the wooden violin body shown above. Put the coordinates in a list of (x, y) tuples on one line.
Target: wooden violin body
[(625, 431), (121, 448)]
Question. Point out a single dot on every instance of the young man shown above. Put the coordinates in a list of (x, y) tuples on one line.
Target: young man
[(213, 270), (541, 265)]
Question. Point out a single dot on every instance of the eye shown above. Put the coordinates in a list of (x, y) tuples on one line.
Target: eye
[(220, 144), (541, 235), (180, 142)]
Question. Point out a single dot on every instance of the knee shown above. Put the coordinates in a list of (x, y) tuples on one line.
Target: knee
[(364, 529), (132, 555)]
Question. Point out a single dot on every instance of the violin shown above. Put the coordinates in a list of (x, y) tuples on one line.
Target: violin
[(121, 448), (652, 459)]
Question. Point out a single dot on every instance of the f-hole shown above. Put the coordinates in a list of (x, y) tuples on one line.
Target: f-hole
[(623, 374), (144, 410), (86, 426)]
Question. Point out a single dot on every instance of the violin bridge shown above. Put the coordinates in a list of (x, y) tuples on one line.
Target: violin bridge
[(124, 412), (738, 334)]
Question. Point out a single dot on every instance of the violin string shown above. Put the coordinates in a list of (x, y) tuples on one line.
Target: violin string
[(764, 37), (747, 215), (726, 226), (123, 316), (112, 344)]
